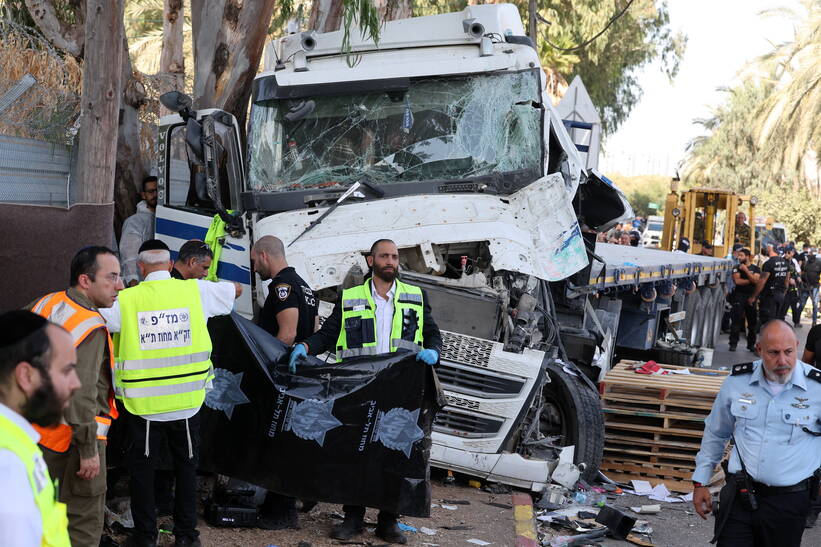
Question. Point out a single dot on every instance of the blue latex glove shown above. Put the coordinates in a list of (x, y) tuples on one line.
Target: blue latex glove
[(297, 353), (428, 356)]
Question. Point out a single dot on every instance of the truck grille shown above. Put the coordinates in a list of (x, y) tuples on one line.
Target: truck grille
[(476, 383), (465, 425), (466, 349)]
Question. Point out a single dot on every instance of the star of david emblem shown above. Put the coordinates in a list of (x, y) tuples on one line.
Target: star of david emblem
[(398, 429), (226, 393), (311, 420)]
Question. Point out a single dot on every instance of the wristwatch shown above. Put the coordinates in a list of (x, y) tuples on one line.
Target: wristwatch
[(697, 484)]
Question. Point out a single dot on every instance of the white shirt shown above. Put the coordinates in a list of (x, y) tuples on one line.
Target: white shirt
[(217, 298), (20, 519), (384, 318), (137, 229), (775, 387)]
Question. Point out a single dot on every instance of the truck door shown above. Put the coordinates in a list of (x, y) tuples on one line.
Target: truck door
[(200, 176)]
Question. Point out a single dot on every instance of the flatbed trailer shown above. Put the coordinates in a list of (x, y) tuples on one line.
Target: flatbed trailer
[(647, 302)]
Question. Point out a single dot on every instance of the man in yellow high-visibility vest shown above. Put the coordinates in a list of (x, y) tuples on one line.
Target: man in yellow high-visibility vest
[(383, 315), (162, 370), (37, 378)]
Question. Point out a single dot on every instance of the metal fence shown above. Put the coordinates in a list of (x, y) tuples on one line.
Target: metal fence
[(34, 172)]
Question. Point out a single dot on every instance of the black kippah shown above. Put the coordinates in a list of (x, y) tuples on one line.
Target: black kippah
[(16, 325), (153, 245)]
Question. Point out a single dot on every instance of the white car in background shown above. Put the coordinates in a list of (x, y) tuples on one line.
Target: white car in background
[(652, 233)]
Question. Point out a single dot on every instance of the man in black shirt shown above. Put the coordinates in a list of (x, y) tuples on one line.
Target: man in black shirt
[(745, 277), (810, 275), (290, 310), (289, 313), (812, 356), (772, 285), (792, 298)]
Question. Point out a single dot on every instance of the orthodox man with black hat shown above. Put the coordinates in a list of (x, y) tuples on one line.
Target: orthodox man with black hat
[(770, 410), (37, 379), (75, 448), (163, 368), (383, 315)]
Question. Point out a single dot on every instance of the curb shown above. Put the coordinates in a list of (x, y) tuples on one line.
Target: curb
[(525, 525)]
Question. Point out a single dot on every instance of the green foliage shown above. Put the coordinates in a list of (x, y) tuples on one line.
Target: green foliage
[(728, 157), (791, 116), (760, 136), (363, 12), (796, 208), (643, 190), (609, 65)]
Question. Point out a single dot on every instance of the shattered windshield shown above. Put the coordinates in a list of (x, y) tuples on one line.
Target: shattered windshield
[(442, 128)]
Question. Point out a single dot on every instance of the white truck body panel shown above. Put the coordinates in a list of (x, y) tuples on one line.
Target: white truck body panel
[(533, 231)]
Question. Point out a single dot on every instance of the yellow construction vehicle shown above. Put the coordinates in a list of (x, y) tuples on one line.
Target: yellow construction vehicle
[(719, 217)]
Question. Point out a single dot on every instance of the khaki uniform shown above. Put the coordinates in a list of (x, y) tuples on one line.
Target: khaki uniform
[(742, 234), (85, 499)]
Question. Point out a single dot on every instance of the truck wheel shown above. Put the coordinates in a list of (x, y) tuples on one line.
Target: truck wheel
[(707, 319), (691, 321), (572, 411), (715, 314)]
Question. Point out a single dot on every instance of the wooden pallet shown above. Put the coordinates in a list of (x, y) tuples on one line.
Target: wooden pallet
[(654, 424)]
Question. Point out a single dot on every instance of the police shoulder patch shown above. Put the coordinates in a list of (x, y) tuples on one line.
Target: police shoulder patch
[(815, 374), (743, 368), (282, 291)]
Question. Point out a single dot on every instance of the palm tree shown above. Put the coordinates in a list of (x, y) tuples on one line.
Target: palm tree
[(787, 125)]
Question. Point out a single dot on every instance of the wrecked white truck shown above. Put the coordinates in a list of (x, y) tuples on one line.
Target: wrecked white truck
[(443, 139)]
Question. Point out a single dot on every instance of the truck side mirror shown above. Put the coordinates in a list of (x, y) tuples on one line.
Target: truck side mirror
[(176, 101)]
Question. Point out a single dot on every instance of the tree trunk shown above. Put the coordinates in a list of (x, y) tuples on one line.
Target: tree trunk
[(229, 36), (97, 152), (172, 61), (67, 37), (130, 168), (326, 15), (391, 10)]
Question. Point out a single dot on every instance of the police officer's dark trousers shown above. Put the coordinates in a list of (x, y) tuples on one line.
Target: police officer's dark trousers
[(769, 306), (740, 312), (778, 522), (143, 456)]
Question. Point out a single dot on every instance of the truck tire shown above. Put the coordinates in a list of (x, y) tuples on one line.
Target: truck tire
[(573, 412), (691, 307), (707, 319), (715, 316)]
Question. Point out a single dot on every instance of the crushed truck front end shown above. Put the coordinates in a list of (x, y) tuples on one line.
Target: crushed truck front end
[(443, 140), (463, 162)]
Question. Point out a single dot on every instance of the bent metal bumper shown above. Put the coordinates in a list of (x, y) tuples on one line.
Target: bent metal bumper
[(488, 393)]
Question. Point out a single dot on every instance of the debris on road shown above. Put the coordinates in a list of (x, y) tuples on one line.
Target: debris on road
[(647, 509)]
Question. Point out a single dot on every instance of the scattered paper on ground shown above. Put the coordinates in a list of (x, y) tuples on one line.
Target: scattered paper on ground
[(660, 492), (641, 488)]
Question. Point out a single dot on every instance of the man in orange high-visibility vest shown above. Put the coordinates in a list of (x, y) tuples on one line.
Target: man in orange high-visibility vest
[(74, 450)]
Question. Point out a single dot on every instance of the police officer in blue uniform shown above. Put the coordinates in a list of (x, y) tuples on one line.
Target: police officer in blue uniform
[(770, 408)]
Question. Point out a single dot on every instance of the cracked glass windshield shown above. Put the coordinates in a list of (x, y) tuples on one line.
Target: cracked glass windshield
[(443, 128)]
